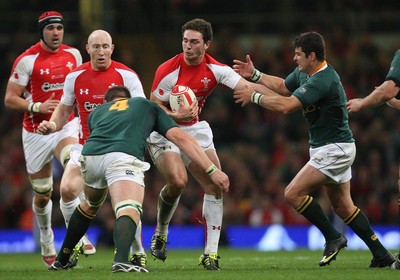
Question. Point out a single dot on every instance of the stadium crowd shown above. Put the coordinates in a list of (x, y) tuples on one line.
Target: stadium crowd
[(261, 151)]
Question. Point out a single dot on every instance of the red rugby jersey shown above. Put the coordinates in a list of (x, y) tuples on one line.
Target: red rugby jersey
[(202, 79), (43, 73), (87, 87)]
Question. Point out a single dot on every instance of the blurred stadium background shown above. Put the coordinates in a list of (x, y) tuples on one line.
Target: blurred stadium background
[(260, 150)]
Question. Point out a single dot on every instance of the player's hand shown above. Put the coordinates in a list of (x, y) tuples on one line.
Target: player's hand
[(354, 105), (46, 127), (186, 113), (49, 105), (244, 69), (221, 180), (243, 96)]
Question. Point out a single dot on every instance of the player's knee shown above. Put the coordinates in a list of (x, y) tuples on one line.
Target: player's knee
[(95, 202), (65, 154), (177, 183), (290, 196), (71, 188), (129, 207), (42, 186)]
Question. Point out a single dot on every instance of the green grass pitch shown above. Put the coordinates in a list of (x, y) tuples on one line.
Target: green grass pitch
[(182, 264)]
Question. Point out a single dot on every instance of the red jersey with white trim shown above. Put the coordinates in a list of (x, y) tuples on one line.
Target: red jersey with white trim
[(43, 73), (87, 87), (202, 79)]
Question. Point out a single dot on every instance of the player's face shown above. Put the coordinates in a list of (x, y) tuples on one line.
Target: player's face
[(194, 47), (100, 49), (53, 35), (302, 61)]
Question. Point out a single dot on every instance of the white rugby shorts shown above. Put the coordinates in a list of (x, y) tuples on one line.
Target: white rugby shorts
[(201, 131), (101, 171), (334, 160), (39, 149)]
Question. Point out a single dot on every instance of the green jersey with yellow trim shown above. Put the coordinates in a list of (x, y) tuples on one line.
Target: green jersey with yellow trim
[(324, 105), (123, 125)]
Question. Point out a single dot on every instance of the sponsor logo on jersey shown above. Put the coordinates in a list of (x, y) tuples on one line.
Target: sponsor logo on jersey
[(90, 106), (48, 87), (16, 76), (160, 91)]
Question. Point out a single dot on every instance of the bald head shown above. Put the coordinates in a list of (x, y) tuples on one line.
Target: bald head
[(99, 35), (100, 49)]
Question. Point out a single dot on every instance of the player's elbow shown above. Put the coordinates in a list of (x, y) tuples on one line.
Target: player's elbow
[(9, 102)]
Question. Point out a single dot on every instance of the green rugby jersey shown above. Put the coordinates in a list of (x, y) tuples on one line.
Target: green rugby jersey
[(123, 126), (324, 105), (394, 71)]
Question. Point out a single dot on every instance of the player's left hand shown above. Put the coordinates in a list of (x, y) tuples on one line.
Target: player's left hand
[(243, 96)]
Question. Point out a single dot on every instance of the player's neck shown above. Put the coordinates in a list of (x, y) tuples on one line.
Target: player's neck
[(194, 62), (318, 66)]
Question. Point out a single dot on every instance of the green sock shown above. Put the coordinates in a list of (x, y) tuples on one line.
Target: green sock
[(359, 223), (78, 225), (313, 212), (124, 234)]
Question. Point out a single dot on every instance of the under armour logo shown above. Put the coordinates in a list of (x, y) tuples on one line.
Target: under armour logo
[(216, 227), (44, 71), (84, 91)]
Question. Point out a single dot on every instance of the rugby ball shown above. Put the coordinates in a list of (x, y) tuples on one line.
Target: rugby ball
[(181, 94)]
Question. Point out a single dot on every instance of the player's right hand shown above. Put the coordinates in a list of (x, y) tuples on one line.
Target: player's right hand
[(221, 180), (46, 127)]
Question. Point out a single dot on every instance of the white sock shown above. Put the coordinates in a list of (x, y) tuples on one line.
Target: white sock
[(137, 246), (165, 211), (212, 213), (43, 219), (67, 208)]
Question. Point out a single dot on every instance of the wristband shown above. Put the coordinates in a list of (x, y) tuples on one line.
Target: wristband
[(35, 107), (256, 76), (55, 126), (256, 98), (211, 170), (30, 107)]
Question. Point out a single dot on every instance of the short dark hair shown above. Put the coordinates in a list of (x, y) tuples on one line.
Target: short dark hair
[(311, 42), (200, 25), (117, 92)]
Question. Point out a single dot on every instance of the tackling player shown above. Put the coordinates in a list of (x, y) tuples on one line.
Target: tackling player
[(315, 87), (113, 161)]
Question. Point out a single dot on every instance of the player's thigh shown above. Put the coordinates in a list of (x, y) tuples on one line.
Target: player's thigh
[(171, 166), (126, 190), (127, 198), (306, 180)]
